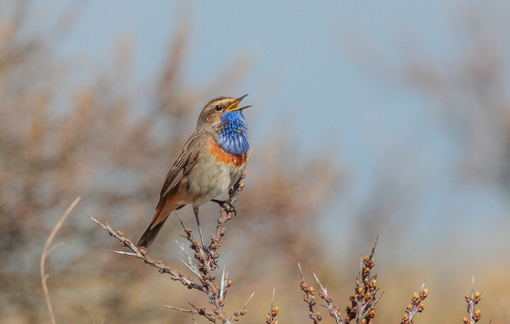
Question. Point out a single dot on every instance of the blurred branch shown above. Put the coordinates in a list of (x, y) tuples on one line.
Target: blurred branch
[(472, 300), (416, 306), (309, 298), (273, 312), (91, 317), (333, 309), (363, 301), (471, 92), (364, 298), (47, 251)]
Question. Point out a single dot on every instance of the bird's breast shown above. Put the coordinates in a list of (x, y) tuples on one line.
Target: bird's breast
[(214, 173), (220, 156)]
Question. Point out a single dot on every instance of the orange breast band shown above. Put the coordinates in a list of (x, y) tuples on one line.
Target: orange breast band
[(221, 156)]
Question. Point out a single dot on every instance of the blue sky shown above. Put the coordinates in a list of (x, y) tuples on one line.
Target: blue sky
[(313, 69), (305, 70)]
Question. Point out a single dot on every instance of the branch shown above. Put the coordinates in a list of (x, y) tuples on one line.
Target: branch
[(273, 312), (242, 312), (362, 302), (472, 300), (309, 298), (202, 263), (142, 254), (47, 250), (364, 299), (416, 306), (333, 309)]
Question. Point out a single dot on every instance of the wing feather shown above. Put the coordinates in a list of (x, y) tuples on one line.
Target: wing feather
[(183, 164)]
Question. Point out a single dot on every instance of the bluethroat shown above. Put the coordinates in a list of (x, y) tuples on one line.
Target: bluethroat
[(212, 160)]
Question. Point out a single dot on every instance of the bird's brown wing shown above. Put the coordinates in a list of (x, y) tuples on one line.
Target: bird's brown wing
[(183, 165), (179, 170)]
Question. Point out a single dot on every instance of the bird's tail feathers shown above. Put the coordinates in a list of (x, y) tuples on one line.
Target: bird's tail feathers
[(149, 235), (158, 220)]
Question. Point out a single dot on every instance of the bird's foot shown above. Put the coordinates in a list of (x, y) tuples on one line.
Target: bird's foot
[(208, 255), (219, 202), (225, 204)]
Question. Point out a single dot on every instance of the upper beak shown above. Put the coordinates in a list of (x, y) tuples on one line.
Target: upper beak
[(233, 106)]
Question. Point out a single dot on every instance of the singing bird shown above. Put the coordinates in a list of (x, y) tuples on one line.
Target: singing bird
[(212, 160)]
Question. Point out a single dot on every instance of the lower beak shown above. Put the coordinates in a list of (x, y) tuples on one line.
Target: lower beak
[(234, 107)]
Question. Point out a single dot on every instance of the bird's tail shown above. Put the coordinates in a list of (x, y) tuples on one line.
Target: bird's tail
[(158, 220), (149, 234)]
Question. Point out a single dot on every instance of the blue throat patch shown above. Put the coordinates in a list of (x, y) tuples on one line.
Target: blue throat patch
[(233, 137)]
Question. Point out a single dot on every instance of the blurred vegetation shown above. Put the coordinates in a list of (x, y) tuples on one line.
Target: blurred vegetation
[(472, 93), (115, 155), (101, 140)]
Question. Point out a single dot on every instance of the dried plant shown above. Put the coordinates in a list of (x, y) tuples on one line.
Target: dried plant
[(272, 316), (472, 300), (332, 308), (46, 251), (309, 298), (416, 306), (363, 301), (202, 267)]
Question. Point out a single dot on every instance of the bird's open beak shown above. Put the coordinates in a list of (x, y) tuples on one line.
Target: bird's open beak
[(234, 107)]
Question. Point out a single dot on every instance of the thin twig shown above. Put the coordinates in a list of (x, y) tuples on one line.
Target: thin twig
[(502, 303), (45, 253), (332, 308), (273, 312), (142, 254), (309, 298), (91, 317), (222, 284), (416, 306), (189, 311), (364, 299), (242, 312), (472, 300)]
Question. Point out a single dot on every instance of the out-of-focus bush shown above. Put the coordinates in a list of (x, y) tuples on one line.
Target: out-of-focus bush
[(58, 142)]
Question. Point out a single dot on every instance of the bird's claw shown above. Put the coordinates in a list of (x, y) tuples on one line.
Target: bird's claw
[(225, 204)]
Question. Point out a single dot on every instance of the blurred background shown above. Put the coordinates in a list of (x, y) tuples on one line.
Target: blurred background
[(387, 119)]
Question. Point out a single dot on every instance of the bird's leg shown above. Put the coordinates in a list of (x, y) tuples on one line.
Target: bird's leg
[(225, 204), (195, 211), (219, 202), (204, 249)]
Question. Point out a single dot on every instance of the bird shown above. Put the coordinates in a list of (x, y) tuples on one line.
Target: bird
[(212, 160)]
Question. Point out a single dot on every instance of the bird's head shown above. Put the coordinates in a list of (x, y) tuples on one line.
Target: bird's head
[(218, 110)]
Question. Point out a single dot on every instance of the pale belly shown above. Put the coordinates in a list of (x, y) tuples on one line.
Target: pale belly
[(208, 180)]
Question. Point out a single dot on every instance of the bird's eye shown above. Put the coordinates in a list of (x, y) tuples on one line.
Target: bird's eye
[(218, 108)]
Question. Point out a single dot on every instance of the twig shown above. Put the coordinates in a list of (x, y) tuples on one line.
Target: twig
[(47, 251), (142, 254), (309, 298), (364, 299), (91, 317), (502, 303), (472, 300), (333, 309), (198, 311), (416, 306), (202, 263), (273, 312), (242, 312)]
